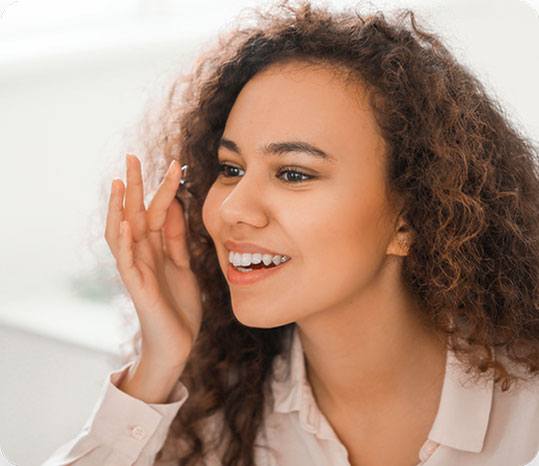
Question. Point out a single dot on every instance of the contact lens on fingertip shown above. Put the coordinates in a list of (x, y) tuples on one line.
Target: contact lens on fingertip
[(184, 171)]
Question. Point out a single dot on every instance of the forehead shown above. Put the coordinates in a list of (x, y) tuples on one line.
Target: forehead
[(320, 104), (306, 86), (299, 70)]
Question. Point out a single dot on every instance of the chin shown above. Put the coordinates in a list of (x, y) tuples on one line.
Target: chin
[(253, 317)]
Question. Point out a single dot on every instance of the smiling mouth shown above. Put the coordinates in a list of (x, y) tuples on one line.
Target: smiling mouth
[(246, 275)]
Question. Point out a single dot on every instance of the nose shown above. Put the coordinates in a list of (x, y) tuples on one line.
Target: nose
[(245, 203)]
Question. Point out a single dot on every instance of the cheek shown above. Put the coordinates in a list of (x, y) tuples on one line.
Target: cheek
[(348, 248)]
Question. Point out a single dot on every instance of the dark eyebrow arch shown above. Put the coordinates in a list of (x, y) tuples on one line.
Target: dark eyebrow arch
[(280, 148)]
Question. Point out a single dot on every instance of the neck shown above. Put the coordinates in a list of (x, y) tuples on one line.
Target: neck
[(371, 350)]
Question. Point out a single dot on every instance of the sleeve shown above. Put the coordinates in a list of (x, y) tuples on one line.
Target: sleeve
[(122, 430)]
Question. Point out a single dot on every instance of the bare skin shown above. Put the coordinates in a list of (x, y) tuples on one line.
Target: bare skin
[(397, 408), (151, 255), (375, 369)]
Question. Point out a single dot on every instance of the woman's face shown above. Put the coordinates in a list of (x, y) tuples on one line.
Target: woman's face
[(333, 220)]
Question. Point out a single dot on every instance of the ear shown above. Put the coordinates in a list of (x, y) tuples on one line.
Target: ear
[(401, 240)]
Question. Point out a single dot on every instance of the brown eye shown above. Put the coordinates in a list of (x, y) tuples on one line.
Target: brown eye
[(296, 176), (227, 171)]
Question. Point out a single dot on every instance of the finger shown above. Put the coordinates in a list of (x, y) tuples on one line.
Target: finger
[(130, 274), (174, 235), (135, 212), (157, 210), (114, 215)]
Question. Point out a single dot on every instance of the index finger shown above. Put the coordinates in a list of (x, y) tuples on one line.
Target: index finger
[(157, 210)]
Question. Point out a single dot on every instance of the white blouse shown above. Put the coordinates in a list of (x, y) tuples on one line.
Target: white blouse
[(476, 424)]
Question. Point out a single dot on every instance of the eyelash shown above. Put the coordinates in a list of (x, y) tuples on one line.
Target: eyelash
[(222, 167)]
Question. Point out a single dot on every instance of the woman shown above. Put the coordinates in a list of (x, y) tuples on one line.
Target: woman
[(350, 275)]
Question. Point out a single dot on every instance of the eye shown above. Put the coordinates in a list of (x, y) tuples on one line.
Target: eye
[(225, 170), (295, 174)]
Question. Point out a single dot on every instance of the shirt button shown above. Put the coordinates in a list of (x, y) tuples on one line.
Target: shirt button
[(138, 432), (430, 448)]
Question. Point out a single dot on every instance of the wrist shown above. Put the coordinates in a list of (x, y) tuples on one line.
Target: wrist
[(150, 382)]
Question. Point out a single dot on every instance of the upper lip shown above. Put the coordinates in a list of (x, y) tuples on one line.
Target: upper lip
[(249, 248)]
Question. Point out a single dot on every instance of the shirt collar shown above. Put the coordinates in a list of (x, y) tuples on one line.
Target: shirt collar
[(461, 421), (464, 410)]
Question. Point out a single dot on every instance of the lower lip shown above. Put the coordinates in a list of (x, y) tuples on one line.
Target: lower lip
[(248, 278)]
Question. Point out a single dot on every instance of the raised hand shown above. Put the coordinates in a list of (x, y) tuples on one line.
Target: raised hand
[(151, 254)]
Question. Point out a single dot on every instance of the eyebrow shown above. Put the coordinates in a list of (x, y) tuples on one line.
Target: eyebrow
[(281, 148)]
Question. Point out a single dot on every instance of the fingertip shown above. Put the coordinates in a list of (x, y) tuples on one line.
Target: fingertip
[(172, 168), (174, 174), (117, 184), (117, 194), (131, 160)]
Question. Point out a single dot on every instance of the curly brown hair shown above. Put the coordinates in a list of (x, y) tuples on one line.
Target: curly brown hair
[(469, 179)]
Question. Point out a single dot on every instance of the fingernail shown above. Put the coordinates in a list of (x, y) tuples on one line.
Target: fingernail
[(172, 166)]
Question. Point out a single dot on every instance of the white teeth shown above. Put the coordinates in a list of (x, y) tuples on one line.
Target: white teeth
[(237, 259), (246, 259)]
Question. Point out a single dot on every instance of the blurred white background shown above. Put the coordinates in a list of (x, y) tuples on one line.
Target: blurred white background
[(75, 78)]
